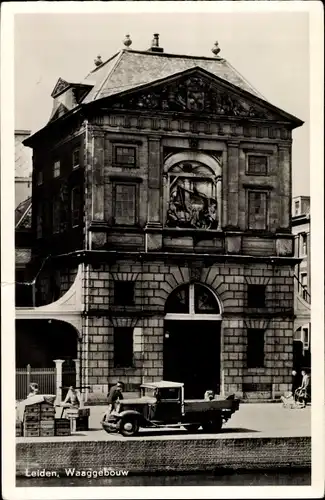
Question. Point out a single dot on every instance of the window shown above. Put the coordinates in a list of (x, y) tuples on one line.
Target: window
[(255, 348), (123, 347), (124, 293), (304, 284), (125, 156), (257, 209), (125, 206), (297, 206), (56, 215), (256, 295), (257, 165), (303, 244), (39, 221), (75, 206), (191, 300), (76, 158), (39, 178), (56, 168)]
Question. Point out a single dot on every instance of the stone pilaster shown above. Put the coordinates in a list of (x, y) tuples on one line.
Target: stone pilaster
[(232, 192), (98, 144), (284, 169), (154, 223)]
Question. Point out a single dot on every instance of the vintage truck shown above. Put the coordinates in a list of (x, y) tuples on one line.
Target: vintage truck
[(162, 404)]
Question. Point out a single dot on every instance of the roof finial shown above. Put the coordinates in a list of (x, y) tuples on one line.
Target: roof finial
[(215, 50), (127, 41), (98, 61)]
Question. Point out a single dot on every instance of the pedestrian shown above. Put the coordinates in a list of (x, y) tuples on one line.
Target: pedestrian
[(33, 390), (295, 381), (71, 399), (115, 394), (303, 393), (209, 395)]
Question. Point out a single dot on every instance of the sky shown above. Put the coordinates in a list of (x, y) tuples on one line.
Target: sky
[(271, 50)]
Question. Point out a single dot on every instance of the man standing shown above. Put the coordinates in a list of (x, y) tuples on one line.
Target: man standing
[(295, 382), (114, 395)]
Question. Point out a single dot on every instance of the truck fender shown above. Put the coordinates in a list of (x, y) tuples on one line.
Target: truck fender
[(128, 413), (131, 414)]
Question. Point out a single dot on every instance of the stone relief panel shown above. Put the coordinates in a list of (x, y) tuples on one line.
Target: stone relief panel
[(194, 94), (193, 196)]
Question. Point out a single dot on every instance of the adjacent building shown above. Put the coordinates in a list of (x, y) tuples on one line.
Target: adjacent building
[(23, 212), (302, 325), (163, 243)]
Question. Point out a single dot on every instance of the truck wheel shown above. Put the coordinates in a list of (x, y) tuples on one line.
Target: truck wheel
[(192, 427), (128, 427), (214, 425)]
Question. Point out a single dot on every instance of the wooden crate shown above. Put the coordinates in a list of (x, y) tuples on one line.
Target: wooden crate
[(31, 432), (32, 409), (47, 408), (63, 432), (47, 424), (47, 416), (82, 424), (84, 412), (31, 417), (62, 422), (31, 425), (46, 432), (19, 429)]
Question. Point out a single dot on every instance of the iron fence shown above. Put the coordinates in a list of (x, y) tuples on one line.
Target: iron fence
[(44, 377)]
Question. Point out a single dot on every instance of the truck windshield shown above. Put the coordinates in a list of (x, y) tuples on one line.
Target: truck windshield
[(149, 392)]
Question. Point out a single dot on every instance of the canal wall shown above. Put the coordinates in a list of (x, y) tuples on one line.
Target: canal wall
[(164, 455)]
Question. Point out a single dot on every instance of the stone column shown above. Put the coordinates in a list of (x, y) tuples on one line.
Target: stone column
[(284, 186), (219, 201), (58, 382), (233, 167), (78, 381), (154, 224)]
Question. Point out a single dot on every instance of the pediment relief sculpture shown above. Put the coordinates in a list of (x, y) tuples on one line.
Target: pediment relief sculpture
[(194, 94)]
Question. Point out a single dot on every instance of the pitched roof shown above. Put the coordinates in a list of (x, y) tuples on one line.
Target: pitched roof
[(129, 69)]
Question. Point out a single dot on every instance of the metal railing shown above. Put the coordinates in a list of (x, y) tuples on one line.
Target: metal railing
[(44, 377)]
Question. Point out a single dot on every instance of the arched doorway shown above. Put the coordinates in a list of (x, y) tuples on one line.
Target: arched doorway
[(192, 339)]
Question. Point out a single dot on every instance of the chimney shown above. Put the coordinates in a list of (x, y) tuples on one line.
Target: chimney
[(155, 44)]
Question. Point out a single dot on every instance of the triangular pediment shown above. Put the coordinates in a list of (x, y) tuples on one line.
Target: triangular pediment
[(198, 91), (60, 87)]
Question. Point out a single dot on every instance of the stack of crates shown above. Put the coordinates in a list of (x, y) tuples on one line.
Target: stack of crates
[(47, 416), (62, 427), (31, 427), (19, 428), (82, 423)]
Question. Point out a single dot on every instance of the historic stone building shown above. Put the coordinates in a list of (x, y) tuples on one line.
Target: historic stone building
[(163, 182)]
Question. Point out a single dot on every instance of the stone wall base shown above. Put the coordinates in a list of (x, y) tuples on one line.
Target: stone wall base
[(167, 455)]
